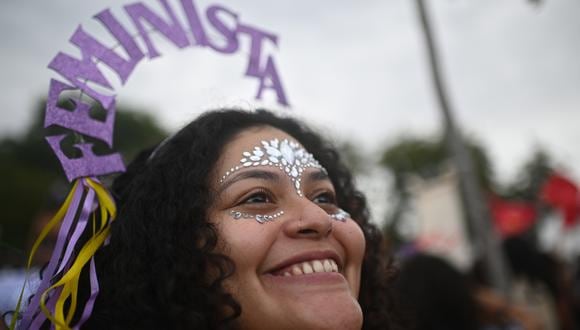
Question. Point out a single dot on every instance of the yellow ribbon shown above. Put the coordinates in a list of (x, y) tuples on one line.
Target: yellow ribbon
[(47, 229), (70, 279)]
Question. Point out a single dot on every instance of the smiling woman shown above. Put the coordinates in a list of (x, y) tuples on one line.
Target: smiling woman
[(241, 220), (303, 269)]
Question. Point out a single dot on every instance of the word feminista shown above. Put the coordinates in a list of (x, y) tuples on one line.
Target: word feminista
[(83, 74)]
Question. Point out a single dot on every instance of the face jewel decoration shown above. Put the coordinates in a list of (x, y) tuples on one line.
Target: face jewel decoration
[(261, 218), (340, 215), (287, 155)]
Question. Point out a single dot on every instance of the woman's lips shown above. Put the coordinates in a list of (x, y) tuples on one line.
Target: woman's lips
[(309, 267), (314, 270), (308, 263)]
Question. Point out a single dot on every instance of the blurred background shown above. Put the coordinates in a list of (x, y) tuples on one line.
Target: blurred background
[(508, 71)]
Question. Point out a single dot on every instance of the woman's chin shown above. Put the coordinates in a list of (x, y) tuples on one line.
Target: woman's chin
[(309, 302), (317, 312), (335, 312)]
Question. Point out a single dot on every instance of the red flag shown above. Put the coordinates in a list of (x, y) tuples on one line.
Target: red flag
[(511, 217), (563, 195)]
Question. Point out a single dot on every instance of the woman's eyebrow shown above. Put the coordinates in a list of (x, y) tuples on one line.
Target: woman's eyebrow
[(252, 174), (317, 176)]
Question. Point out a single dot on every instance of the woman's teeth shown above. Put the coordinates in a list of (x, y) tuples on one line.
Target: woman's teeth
[(313, 266)]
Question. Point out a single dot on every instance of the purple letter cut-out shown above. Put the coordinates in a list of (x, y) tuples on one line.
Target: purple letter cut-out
[(172, 31), (79, 119), (230, 36), (256, 38), (78, 72), (89, 164), (194, 22), (122, 67), (271, 74)]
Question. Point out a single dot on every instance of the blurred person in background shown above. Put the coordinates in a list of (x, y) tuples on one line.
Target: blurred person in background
[(13, 261), (541, 282), (434, 295), (540, 291)]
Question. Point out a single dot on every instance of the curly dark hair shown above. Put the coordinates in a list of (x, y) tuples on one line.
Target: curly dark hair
[(154, 272)]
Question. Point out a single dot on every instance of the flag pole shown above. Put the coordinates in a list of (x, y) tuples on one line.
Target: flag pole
[(487, 243)]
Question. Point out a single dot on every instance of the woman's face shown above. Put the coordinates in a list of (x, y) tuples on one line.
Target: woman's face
[(298, 258)]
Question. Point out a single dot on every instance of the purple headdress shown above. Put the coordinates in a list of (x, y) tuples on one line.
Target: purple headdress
[(89, 209)]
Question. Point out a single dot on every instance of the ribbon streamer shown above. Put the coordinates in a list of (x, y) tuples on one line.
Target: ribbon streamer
[(88, 200)]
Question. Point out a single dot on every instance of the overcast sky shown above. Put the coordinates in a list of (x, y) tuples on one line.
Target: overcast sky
[(357, 68)]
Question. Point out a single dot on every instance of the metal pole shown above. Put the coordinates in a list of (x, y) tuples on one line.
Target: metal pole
[(476, 208)]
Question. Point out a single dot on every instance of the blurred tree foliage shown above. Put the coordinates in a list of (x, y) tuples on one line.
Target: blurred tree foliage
[(530, 178), (426, 158), (31, 171), (527, 186), (352, 156)]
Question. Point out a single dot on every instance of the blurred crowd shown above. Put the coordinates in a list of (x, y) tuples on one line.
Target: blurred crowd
[(544, 292)]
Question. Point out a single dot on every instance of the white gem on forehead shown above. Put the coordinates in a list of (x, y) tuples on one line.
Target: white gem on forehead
[(286, 155)]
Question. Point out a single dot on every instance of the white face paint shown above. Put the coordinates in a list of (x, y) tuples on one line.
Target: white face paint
[(261, 218), (291, 158), (340, 215), (288, 156)]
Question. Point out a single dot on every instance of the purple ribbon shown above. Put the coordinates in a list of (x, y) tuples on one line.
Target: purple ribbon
[(77, 229), (94, 292), (54, 260)]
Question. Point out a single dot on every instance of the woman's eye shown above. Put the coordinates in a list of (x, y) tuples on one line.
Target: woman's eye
[(324, 198), (260, 197)]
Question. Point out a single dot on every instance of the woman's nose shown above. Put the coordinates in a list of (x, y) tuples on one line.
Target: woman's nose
[(308, 220)]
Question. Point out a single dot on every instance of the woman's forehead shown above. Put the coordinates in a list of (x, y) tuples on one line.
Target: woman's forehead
[(244, 141), (264, 147), (247, 140)]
